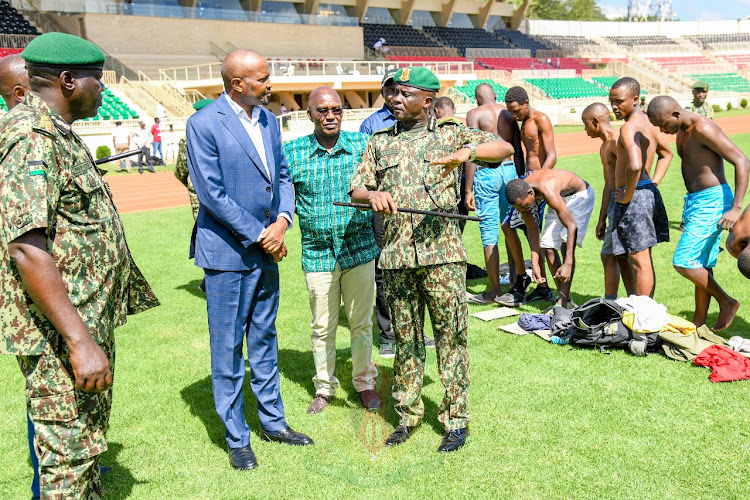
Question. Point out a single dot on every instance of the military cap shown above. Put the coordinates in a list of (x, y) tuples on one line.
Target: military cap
[(61, 49), (202, 104), (701, 84), (388, 76), (417, 77)]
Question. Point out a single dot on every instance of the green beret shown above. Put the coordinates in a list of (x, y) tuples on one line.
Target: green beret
[(61, 49), (202, 104), (701, 84), (417, 77)]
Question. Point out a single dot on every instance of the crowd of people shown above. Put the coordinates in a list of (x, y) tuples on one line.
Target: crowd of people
[(69, 279)]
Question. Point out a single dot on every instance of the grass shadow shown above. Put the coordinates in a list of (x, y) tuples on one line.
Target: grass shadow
[(118, 482), (298, 367), (192, 288)]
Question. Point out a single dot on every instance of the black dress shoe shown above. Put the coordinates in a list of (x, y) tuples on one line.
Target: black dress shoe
[(400, 435), (286, 436), (452, 440), (242, 458)]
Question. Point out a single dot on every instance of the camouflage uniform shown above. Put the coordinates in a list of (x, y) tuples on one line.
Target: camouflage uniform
[(49, 182), (423, 260), (181, 172), (705, 109)]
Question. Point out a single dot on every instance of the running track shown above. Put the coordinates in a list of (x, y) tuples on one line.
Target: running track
[(139, 192)]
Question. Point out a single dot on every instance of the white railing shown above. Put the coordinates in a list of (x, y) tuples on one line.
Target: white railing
[(307, 67)]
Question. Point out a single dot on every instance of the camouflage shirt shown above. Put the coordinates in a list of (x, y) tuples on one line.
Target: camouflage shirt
[(398, 162), (704, 110), (48, 181), (181, 168)]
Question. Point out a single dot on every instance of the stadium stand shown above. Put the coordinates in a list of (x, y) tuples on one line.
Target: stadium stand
[(113, 108), (468, 90), (675, 64), (511, 63), (566, 43), (567, 88), (742, 61), (632, 41), (724, 82), (463, 38), (705, 40), (605, 82), (521, 40), (426, 59), (404, 36), (9, 51), (13, 23)]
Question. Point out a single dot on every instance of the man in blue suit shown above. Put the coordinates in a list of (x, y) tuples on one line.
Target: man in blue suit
[(246, 205)]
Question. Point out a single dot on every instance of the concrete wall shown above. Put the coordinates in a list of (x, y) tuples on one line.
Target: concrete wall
[(172, 36), (602, 29)]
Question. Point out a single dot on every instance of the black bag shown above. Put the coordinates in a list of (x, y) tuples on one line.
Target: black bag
[(598, 323)]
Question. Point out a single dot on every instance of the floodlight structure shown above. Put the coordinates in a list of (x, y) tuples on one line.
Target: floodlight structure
[(643, 10)]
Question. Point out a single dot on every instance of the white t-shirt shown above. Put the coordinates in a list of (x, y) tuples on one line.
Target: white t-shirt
[(121, 135)]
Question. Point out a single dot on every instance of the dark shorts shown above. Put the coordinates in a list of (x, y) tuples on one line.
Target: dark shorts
[(640, 224)]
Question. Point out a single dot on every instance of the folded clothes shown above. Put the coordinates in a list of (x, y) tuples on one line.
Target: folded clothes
[(648, 315), (531, 322)]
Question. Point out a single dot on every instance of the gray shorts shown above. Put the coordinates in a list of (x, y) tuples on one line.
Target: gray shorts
[(607, 245), (640, 224)]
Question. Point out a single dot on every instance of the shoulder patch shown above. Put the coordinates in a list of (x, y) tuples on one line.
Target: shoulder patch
[(37, 168)]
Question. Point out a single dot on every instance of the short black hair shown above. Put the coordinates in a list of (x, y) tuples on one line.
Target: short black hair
[(596, 109), (629, 83), (516, 94), (516, 189), (743, 262), (117, 124), (444, 101)]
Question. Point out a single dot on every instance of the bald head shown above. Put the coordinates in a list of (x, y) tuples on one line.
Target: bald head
[(596, 110), (14, 80), (323, 94), (237, 63), (484, 93), (661, 106), (743, 262)]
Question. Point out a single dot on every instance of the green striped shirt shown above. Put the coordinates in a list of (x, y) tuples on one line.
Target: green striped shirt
[(330, 235)]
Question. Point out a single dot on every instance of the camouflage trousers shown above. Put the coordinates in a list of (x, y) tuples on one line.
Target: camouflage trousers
[(441, 288), (69, 426), (194, 203)]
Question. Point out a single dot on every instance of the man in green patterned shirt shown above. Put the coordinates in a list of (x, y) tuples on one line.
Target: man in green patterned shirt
[(699, 105), (338, 247)]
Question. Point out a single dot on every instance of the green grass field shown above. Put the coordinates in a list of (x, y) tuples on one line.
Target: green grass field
[(547, 421)]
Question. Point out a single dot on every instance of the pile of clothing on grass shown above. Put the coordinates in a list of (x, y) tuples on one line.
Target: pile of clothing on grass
[(642, 325)]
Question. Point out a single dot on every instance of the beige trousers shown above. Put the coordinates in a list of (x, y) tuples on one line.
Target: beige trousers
[(121, 148), (327, 289)]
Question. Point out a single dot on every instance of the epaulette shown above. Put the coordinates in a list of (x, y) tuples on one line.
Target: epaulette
[(43, 123), (451, 120), (387, 129), (61, 125)]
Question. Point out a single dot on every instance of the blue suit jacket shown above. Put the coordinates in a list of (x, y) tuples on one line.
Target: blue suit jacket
[(237, 199)]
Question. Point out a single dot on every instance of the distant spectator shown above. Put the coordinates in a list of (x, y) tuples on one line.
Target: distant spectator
[(283, 109), (142, 139), (161, 111), (699, 105), (380, 46), (644, 106), (156, 138), (121, 142)]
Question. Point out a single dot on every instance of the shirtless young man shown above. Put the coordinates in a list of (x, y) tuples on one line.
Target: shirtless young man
[(539, 143), (710, 205), (598, 126), (485, 189), (738, 243), (639, 220), (571, 202)]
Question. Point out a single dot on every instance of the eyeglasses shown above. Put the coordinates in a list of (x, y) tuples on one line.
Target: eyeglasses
[(323, 112)]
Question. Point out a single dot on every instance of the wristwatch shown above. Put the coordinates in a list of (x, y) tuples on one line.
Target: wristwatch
[(473, 148)]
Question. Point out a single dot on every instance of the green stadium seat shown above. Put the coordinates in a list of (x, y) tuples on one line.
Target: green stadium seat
[(568, 88)]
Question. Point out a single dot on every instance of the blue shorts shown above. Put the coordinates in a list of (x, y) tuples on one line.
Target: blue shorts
[(699, 245), (489, 196)]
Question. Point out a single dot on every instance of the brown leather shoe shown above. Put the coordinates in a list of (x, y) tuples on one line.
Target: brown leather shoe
[(370, 400), (318, 404)]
